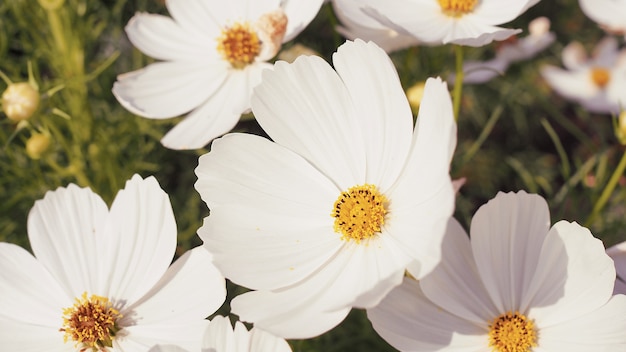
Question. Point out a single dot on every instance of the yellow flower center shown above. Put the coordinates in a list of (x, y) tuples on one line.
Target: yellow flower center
[(600, 76), (512, 332), (90, 322), (359, 212), (239, 44), (457, 8)]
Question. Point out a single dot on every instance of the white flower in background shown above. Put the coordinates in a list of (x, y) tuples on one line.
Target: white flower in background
[(221, 337), (516, 286), (510, 51), (101, 279), (212, 56), (358, 25), (597, 83), (618, 254), (436, 22), (328, 215), (609, 14)]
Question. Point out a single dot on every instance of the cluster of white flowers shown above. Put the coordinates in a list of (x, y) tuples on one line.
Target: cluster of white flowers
[(349, 205)]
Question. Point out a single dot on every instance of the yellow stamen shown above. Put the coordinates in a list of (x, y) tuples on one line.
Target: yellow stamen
[(600, 76), (239, 45), (457, 8), (512, 332), (359, 212), (90, 323)]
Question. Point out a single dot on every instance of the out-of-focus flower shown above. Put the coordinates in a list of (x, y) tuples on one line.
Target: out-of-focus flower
[(51, 4), (436, 22), (510, 51), (37, 144), (597, 83), (328, 215), (19, 101), (517, 285), (101, 279), (213, 53), (221, 337), (295, 51), (358, 25), (609, 14), (618, 254)]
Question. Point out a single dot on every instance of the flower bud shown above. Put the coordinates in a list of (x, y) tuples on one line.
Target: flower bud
[(415, 93), (19, 101), (37, 144)]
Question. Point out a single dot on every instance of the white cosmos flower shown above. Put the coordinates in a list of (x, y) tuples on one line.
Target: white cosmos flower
[(212, 56), (509, 52), (610, 14), (618, 254), (220, 336), (103, 278), (464, 22), (517, 285), (328, 215), (597, 83), (357, 24)]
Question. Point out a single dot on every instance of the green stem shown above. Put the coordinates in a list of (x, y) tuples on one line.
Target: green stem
[(608, 190), (458, 81)]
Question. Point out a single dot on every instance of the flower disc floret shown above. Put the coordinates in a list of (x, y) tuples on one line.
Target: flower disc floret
[(359, 212), (457, 8), (239, 44), (91, 323), (600, 76), (512, 332)]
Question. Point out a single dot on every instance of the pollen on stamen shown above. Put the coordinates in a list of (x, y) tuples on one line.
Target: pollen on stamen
[(90, 323), (600, 76), (359, 213), (457, 8), (239, 44), (512, 332)]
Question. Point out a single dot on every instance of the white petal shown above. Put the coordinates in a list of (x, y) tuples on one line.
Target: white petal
[(138, 242), (600, 330), (271, 227), (219, 114), (168, 89), (611, 13), (300, 13), (382, 106), (423, 197), (201, 17), (219, 336), (255, 9), (495, 12), (574, 85), (455, 283), (286, 314), (507, 234), (143, 337), (24, 337), (167, 348), (471, 31), (618, 254), (421, 19), (28, 293), (163, 39), (410, 322), (261, 341), (306, 107), (63, 230), (574, 276), (191, 289)]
